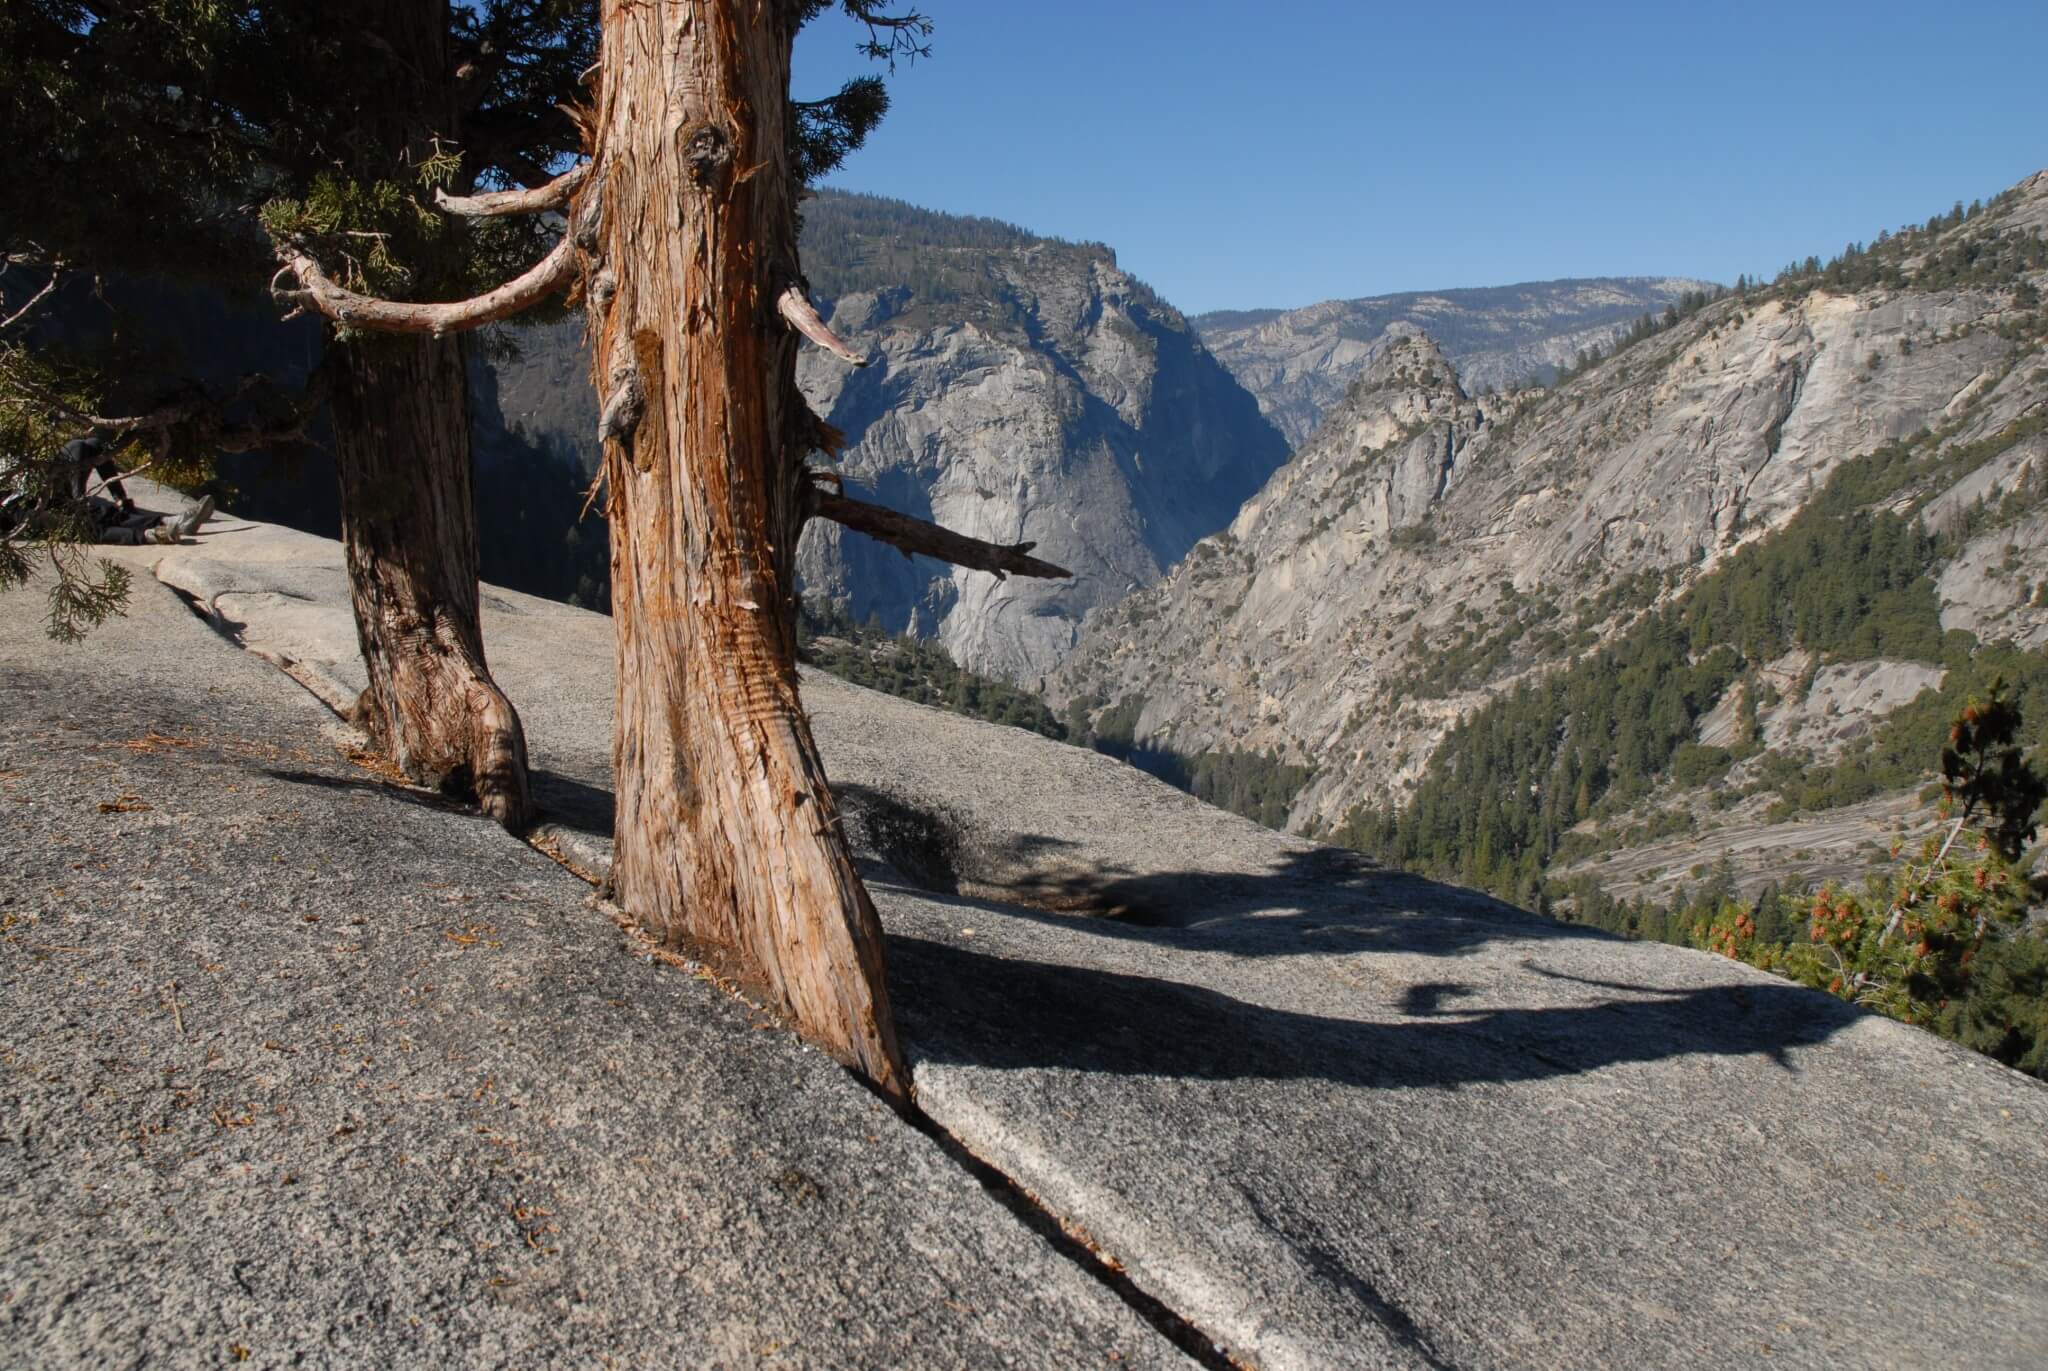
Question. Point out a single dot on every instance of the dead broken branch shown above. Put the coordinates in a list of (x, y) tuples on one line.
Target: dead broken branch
[(794, 306), (907, 535), (527, 200), (320, 293), (56, 276)]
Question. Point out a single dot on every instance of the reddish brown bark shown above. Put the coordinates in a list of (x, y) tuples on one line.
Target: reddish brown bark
[(408, 528), (727, 833), (402, 449)]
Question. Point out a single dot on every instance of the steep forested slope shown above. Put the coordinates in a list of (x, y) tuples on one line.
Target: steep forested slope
[(1681, 590)]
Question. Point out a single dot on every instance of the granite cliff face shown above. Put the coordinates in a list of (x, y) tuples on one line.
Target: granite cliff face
[(1299, 362), (1030, 389), (1423, 554), (1024, 390)]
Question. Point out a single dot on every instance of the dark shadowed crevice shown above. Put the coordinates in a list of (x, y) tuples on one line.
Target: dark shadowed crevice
[(1393, 1320), (1072, 1242)]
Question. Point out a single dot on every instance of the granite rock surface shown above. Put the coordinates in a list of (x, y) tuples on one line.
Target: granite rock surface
[(1327, 1114), (303, 1068)]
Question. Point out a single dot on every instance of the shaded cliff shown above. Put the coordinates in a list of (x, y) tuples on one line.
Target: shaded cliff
[(1027, 389)]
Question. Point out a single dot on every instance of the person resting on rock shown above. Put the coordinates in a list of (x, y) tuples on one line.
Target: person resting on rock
[(114, 521)]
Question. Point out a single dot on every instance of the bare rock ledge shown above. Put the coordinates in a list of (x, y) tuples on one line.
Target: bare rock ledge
[(411, 1099)]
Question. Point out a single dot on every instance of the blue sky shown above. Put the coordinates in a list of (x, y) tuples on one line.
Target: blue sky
[(1243, 155)]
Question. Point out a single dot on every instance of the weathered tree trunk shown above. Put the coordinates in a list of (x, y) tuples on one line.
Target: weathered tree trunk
[(408, 526), (727, 834), (402, 446)]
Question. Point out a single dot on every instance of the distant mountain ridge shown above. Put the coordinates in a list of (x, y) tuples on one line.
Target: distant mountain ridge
[(1299, 361), (1025, 389), (1677, 596)]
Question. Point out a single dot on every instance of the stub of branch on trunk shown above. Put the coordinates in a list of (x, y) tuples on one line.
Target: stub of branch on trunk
[(624, 403), (586, 223), (794, 306), (907, 535), (528, 200), (604, 286), (706, 151), (320, 293)]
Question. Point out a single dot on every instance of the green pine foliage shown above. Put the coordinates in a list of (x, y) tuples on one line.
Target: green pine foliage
[(189, 137), (1963, 249), (81, 597), (1985, 775), (1960, 961), (2005, 1015), (1644, 326), (936, 268), (1942, 940), (1852, 576), (914, 669), (1930, 256), (826, 132), (1260, 786), (1895, 755), (173, 120), (43, 528), (1478, 654)]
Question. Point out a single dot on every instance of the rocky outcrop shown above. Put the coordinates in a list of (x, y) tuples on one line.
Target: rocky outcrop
[(1393, 578), (1997, 586), (1299, 362), (351, 1079), (1065, 405), (1177, 1075), (1843, 702), (1030, 389)]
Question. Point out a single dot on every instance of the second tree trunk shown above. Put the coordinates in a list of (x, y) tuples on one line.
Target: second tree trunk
[(401, 429)]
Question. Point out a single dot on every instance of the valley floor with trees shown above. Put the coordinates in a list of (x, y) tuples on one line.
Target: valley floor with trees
[(1943, 939)]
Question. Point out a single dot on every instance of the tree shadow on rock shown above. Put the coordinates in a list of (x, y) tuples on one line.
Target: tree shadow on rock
[(386, 787), (1307, 901), (579, 805), (964, 1007)]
